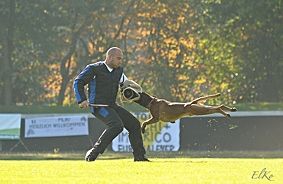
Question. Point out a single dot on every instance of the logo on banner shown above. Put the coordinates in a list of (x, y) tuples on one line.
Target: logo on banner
[(160, 136), (10, 126)]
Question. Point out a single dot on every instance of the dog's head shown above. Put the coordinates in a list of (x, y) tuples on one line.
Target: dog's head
[(145, 100)]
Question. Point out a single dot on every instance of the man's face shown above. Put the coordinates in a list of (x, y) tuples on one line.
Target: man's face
[(116, 59)]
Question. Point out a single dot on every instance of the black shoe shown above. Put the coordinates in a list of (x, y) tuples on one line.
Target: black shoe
[(140, 159), (91, 155)]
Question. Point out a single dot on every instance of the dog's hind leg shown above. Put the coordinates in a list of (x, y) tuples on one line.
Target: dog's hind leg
[(197, 109), (203, 98), (224, 113)]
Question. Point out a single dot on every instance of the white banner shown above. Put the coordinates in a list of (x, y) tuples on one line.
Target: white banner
[(160, 136), (56, 126), (10, 126)]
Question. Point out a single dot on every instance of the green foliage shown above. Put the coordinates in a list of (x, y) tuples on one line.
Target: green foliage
[(132, 107), (42, 109), (254, 29), (177, 50)]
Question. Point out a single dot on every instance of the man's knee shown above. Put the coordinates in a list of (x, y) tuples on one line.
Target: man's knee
[(118, 126)]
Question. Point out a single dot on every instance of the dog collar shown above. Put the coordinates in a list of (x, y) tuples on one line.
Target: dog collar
[(150, 103)]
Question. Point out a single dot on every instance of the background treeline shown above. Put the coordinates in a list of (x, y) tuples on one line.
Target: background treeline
[(175, 49)]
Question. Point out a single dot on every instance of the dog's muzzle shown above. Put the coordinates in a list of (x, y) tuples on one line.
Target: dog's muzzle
[(130, 94)]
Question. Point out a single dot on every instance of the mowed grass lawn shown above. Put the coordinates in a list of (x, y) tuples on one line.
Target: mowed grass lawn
[(159, 170)]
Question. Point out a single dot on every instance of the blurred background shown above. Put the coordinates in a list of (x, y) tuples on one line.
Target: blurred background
[(177, 50)]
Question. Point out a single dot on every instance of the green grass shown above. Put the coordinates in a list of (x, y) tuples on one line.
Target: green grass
[(29, 109), (133, 107), (264, 106), (114, 155), (160, 170)]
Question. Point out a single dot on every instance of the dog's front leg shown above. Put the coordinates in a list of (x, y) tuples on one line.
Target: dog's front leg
[(147, 122)]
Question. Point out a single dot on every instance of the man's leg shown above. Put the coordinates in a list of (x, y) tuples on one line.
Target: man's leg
[(133, 126), (115, 126)]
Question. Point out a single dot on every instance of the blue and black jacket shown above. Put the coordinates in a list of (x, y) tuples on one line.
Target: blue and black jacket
[(103, 85)]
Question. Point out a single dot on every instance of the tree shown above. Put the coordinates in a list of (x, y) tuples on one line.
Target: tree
[(7, 21), (254, 29), (176, 50), (26, 42), (90, 30), (163, 55)]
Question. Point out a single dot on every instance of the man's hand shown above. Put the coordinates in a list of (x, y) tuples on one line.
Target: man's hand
[(84, 104)]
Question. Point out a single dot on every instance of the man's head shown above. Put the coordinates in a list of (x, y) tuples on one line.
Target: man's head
[(114, 57)]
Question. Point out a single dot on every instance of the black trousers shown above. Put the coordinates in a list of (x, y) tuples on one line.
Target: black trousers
[(116, 117)]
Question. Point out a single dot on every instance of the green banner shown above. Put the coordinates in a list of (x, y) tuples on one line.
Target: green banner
[(10, 126)]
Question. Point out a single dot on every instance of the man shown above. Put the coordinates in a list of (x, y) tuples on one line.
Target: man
[(103, 79)]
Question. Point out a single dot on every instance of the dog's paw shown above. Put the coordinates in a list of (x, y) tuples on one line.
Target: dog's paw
[(143, 127), (228, 116), (234, 109), (143, 130)]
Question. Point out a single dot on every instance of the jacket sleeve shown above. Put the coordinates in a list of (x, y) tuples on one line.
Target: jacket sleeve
[(82, 79)]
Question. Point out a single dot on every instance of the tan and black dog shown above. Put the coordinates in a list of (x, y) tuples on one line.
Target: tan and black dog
[(163, 110)]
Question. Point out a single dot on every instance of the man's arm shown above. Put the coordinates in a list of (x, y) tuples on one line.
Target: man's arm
[(82, 79)]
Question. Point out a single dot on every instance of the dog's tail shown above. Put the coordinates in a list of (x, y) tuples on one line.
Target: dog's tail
[(203, 98)]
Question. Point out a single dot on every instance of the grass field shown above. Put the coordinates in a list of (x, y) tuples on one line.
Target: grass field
[(29, 109), (159, 170)]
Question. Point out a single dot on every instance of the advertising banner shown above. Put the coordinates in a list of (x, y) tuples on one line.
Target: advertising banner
[(160, 136), (56, 126), (10, 126)]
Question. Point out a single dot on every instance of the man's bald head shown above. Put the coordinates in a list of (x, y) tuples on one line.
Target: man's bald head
[(114, 57), (113, 51)]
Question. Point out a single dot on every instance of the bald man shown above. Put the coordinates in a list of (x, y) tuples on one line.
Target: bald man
[(103, 79)]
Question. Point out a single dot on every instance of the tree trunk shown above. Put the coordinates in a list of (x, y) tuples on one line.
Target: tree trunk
[(61, 96), (7, 22), (7, 69)]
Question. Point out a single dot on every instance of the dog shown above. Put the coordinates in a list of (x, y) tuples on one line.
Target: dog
[(163, 110)]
